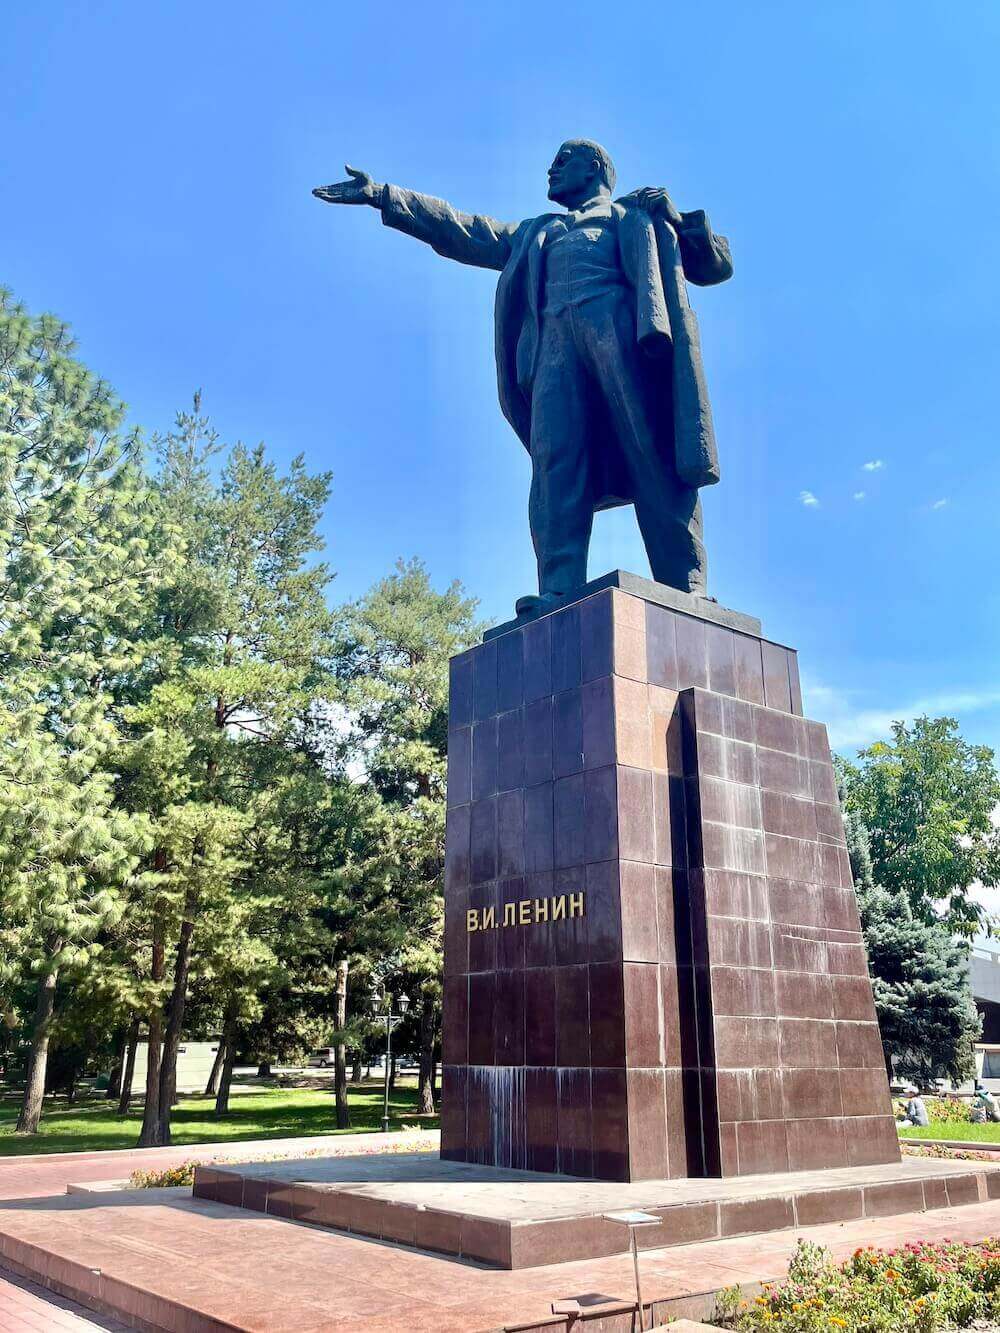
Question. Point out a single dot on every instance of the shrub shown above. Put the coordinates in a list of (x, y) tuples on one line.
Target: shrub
[(947, 1110), (920, 1287)]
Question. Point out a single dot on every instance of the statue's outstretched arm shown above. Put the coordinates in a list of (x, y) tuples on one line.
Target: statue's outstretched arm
[(471, 238)]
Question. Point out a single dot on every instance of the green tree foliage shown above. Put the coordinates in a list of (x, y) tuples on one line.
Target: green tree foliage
[(393, 648), (78, 567), (920, 979), (920, 976), (928, 798), (223, 715)]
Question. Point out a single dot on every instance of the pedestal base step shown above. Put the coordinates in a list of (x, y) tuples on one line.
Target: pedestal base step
[(521, 1219)]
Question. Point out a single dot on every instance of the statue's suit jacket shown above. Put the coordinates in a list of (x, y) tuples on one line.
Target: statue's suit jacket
[(656, 260)]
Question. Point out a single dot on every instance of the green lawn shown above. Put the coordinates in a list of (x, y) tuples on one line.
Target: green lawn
[(263, 1113), (964, 1130)]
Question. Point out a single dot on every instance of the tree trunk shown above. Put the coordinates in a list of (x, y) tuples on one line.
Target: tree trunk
[(115, 1077), (392, 1073), (149, 1135), (340, 1050), (175, 1020), (264, 1069), (228, 1043), (128, 1072), (356, 1068), (212, 1086), (34, 1087), (425, 1082)]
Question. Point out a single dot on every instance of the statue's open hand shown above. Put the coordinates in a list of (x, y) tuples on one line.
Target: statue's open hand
[(360, 189), (657, 203)]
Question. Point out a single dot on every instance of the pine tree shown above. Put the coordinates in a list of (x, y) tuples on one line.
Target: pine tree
[(392, 662), (79, 565), (224, 709), (920, 976)]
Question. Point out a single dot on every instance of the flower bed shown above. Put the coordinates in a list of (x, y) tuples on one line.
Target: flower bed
[(920, 1288), (183, 1172)]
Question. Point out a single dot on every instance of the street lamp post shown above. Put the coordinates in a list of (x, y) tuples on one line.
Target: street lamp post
[(391, 1020)]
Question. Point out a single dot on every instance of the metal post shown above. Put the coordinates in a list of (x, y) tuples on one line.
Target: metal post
[(638, 1286), (388, 1054)]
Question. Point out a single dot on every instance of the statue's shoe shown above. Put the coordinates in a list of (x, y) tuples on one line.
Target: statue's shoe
[(528, 608)]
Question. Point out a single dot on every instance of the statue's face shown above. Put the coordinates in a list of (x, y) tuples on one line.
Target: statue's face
[(572, 174)]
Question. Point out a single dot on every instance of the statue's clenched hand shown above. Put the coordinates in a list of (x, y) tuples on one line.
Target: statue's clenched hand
[(657, 203), (360, 189)]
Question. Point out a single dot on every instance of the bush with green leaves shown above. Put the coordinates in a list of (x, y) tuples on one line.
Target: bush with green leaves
[(920, 1287)]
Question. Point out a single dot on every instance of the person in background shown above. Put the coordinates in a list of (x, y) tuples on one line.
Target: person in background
[(915, 1110), (985, 1103)]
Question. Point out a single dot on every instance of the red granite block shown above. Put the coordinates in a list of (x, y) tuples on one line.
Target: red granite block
[(777, 691), (661, 647), (818, 1144), (872, 1139), (539, 843), (607, 1015), (510, 750), (610, 1134), (640, 942), (898, 1196), (455, 1018), (573, 1092), (819, 1206), (540, 1016), (541, 1119), (486, 1240), (743, 991), (572, 1016), (749, 669), (647, 1126), (454, 1079), (567, 660), (482, 998), (536, 742), (597, 636), (965, 1189), (484, 680), (438, 1231), (670, 890), (747, 1216), (794, 951), (643, 1038), (509, 1018), (749, 1094), (859, 1046), (692, 653), (568, 820), (459, 765), (460, 689), (742, 1043), (803, 995), (604, 927), (761, 1146), (807, 1043), (598, 722), (788, 773), (537, 659), (852, 998), (510, 671), (864, 1091), (721, 659), (812, 1093)]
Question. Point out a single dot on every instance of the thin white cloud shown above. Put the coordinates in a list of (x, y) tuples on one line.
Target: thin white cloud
[(859, 495), (808, 499), (852, 726), (939, 504), (873, 465)]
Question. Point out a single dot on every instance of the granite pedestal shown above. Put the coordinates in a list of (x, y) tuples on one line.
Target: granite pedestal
[(653, 959)]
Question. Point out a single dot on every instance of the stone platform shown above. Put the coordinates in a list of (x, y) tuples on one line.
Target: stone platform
[(520, 1219)]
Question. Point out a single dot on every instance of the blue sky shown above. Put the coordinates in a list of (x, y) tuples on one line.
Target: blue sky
[(158, 161)]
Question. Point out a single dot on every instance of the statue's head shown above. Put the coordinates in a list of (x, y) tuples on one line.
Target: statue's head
[(580, 170)]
